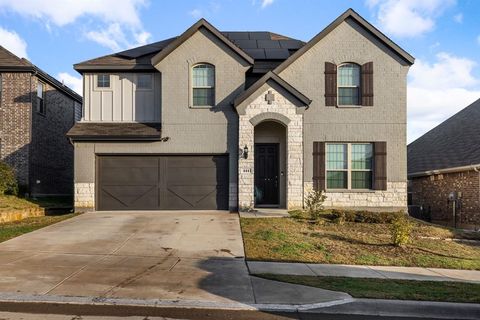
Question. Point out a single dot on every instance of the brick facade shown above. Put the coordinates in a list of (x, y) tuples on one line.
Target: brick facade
[(432, 192), (35, 144), (15, 119)]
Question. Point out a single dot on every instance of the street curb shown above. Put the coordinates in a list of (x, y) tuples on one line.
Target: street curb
[(160, 303)]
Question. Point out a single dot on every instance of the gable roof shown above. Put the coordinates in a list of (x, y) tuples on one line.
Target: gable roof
[(453, 143), (268, 50), (202, 23), (349, 14), (274, 77), (11, 63)]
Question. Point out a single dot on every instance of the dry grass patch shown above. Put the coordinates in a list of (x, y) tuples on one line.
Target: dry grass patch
[(300, 240)]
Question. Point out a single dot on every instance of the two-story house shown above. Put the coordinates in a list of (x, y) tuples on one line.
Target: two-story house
[(237, 120), (36, 111)]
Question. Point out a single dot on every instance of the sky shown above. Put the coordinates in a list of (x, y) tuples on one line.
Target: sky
[(443, 36)]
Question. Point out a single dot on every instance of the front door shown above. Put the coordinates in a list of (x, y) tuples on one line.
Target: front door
[(266, 174)]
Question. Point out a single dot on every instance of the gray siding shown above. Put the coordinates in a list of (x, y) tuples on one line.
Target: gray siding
[(122, 101), (384, 121)]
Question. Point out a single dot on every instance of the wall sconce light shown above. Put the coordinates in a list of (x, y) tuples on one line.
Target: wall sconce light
[(245, 152)]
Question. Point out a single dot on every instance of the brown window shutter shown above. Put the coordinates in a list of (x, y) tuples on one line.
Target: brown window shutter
[(367, 84), (318, 166), (330, 84), (380, 166)]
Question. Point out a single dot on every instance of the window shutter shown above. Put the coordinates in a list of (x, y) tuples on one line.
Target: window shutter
[(367, 84), (330, 84), (319, 166), (380, 166)]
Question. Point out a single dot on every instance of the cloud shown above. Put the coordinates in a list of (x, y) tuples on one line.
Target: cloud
[(458, 18), (438, 90), (75, 83), (408, 18), (196, 13), (266, 3), (13, 43), (114, 38), (120, 19)]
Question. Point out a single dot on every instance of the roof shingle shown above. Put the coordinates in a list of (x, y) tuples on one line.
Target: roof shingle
[(453, 143)]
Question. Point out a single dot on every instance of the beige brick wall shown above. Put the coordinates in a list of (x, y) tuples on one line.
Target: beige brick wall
[(294, 153), (392, 199), (84, 196)]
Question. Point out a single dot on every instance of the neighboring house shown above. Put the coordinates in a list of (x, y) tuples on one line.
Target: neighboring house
[(235, 120), (444, 165), (36, 111)]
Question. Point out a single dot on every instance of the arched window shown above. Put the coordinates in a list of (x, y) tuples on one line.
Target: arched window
[(203, 85), (349, 84)]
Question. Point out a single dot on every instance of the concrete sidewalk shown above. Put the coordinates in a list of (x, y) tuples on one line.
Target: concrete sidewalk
[(380, 272)]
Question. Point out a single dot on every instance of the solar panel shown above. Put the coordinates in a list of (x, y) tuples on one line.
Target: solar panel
[(267, 44), (276, 53), (256, 53)]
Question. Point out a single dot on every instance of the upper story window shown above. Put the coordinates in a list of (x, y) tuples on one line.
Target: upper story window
[(103, 81), (349, 165), (144, 81), (203, 85), (41, 98), (349, 84)]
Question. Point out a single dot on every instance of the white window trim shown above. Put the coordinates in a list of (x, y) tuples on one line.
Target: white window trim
[(191, 87), (349, 169), (359, 87), (95, 82), (136, 82)]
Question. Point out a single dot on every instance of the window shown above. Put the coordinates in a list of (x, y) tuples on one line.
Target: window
[(103, 81), (337, 166), (144, 81), (349, 165), (41, 98), (203, 85), (349, 84)]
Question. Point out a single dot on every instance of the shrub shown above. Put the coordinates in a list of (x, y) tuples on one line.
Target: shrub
[(363, 216), (8, 181), (314, 203), (401, 230)]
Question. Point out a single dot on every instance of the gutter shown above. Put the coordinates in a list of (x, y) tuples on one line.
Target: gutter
[(475, 167)]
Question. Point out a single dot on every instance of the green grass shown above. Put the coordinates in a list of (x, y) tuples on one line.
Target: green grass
[(299, 240), (14, 229), (389, 289), (12, 203)]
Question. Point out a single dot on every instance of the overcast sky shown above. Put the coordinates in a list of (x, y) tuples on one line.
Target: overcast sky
[(443, 36)]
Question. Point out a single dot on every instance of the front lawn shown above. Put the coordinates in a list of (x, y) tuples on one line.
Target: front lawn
[(14, 229), (11, 203), (389, 288), (299, 240)]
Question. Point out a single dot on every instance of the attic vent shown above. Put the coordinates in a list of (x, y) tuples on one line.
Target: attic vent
[(269, 97)]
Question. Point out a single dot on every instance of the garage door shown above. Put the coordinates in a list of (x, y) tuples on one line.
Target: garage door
[(162, 182)]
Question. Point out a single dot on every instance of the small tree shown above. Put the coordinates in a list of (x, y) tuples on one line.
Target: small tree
[(401, 230), (8, 181), (314, 203)]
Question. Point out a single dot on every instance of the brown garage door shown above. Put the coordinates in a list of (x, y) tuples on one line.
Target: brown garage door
[(162, 182)]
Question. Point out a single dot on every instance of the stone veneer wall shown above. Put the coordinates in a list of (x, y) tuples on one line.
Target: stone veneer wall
[(84, 196), (294, 160), (394, 198), (432, 192)]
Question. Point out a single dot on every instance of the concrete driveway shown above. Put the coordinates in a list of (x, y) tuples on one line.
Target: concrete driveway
[(188, 256)]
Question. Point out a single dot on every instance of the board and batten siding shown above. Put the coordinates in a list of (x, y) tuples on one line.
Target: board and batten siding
[(122, 101)]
